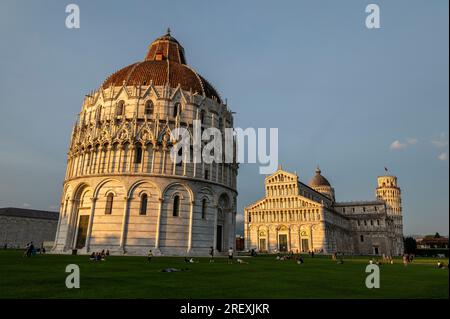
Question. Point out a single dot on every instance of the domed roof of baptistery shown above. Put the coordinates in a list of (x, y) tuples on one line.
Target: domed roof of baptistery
[(318, 180), (165, 63)]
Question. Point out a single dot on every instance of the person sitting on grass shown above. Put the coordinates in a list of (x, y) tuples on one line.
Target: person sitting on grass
[(340, 261), (240, 261), (300, 260), (440, 265), (92, 257), (107, 252), (189, 260), (98, 257)]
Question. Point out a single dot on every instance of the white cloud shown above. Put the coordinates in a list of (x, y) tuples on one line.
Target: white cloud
[(26, 205), (412, 141), (239, 218), (397, 145), (443, 156), (441, 141)]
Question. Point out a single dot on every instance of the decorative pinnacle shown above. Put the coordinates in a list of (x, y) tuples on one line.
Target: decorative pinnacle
[(168, 31)]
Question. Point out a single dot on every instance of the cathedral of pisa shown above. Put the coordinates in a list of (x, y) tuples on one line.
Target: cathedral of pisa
[(299, 217), (122, 190)]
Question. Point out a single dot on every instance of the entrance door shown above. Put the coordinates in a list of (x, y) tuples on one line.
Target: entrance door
[(219, 238), (262, 244), (375, 250), (305, 245), (82, 231), (282, 242)]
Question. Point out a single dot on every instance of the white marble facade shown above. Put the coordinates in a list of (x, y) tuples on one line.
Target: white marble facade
[(297, 217), (122, 190)]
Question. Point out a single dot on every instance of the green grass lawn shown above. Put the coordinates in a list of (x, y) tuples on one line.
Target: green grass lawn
[(43, 276)]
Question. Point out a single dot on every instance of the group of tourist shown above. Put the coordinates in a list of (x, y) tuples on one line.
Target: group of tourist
[(388, 259), (30, 250), (290, 256), (407, 259), (99, 256)]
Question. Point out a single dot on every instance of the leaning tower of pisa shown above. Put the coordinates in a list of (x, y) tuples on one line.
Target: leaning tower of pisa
[(389, 191)]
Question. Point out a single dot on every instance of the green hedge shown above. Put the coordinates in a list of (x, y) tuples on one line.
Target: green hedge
[(430, 252)]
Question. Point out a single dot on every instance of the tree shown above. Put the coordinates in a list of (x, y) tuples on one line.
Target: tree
[(410, 245), (437, 235)]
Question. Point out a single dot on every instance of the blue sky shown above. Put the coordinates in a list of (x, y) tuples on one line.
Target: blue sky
[(340, 94)]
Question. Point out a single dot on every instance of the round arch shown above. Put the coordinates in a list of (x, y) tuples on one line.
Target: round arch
[(140, 182)]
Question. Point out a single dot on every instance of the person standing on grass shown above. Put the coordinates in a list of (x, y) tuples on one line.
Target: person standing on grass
[(230, 255), (149, 255), (211, 255), (31, 250), (405, 259)]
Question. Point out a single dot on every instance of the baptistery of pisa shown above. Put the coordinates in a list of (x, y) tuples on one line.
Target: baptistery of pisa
[(122, 190)]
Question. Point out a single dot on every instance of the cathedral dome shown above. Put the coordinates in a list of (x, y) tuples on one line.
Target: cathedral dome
[(318, 180), (165, 63)]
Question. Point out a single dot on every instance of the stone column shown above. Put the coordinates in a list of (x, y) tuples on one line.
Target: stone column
[(144, 157), (61, 209), (70, 222), (216, 209), (158, 222), (68, 168), (163, 162), (131, 150), (311, 237), (289, 239), (124, 224), (119, 158), (91, 221), (153, 158), (108, 158), (191, 224)]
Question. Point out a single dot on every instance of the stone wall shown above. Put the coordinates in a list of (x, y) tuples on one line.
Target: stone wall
[(16, 232)]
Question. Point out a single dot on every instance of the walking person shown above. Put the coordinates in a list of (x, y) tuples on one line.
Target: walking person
[(230, 255)]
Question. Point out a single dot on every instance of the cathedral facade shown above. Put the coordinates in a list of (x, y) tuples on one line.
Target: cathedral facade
[(299, 217), (122, 190)]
